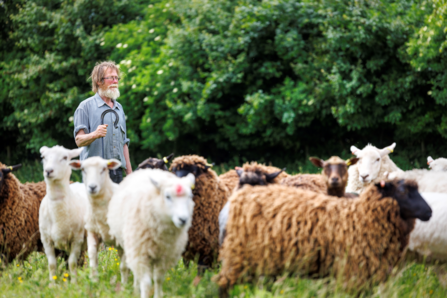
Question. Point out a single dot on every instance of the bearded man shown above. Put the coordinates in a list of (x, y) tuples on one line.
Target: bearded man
[(88, 129)]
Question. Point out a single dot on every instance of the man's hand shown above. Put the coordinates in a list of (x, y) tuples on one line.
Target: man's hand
[(101, 131)]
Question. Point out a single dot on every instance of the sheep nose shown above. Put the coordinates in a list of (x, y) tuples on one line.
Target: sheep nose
[(49, 171), (334, 179), (92, 188), (182, 220), (364, 176)]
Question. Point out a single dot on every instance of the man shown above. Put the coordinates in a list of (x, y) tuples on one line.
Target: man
[(88, 130)]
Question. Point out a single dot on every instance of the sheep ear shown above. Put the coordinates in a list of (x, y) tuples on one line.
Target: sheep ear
[(317, 162), (356, 151), (387, 150), (43, 149), (352, 161), (191, 179), (207, 166), (75, 164), (113, 164), (270, 177), (429, 160), (155, 183), (168, 158), (75, 152), (239, 172)]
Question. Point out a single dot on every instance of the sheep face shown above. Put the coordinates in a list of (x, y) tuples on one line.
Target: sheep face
[(196, 170), (335, 170), (256, 177), (370, 159), (410, 201), (177, 205), (438, 165), (56, 161), (155, 163), (95, 172)]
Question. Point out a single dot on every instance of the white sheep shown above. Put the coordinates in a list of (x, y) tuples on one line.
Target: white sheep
[(429, 238), (370, 168), (439, 164), (62, 211), (428, 181), (99, 188), (150, 215)]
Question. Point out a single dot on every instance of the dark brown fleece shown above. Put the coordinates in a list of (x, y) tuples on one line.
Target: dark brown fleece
[(210, 195), (276, 229), (19, 217)]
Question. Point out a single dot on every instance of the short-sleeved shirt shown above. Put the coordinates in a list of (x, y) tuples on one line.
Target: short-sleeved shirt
[(88, 117)]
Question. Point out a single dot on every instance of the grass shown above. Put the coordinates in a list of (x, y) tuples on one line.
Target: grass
[(30, 278)]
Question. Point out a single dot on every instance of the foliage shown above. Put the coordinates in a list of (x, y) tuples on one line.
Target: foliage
[(44, 74)]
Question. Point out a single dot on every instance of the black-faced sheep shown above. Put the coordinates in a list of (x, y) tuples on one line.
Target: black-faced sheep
[(155, 163), (277, 229), (210, 195), (19, 215)]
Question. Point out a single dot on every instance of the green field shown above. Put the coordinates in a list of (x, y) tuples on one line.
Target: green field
[(30, 278)]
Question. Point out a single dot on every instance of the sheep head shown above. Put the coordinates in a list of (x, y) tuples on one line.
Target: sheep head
[(410, 201), (56, 162), (438, 165), (95, 172), (5, 171), (155, 163), (370, 161), (255, 174), (335, 173), (194, 164)]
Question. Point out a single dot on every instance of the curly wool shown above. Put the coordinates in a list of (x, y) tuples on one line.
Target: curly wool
[(311, 234), (230, 179), (312, 182), (210, 195), (19, 217)]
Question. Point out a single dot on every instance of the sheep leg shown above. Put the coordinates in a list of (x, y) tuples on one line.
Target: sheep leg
[(158, 282), (145, 284), (92, 243), (74, 255), (123, 267), (51, 256)]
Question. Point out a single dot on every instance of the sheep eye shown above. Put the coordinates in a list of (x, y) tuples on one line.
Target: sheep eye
[(377, 159), (168, 197), (103, 170), (65, 158)]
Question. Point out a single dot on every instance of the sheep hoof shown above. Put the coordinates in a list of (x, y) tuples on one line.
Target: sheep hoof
[(196, 280)]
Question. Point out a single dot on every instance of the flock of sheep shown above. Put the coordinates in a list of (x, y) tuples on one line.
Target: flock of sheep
[(355, 220)]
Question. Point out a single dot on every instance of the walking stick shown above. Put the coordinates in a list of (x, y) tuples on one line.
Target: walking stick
[(114, 124)]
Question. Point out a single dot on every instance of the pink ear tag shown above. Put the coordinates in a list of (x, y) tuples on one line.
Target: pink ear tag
[(179, 190)]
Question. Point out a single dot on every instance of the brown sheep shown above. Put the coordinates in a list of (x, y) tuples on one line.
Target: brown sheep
[(155, 163), (230, 179), (277, 229), (332, 180), (19, 215), (252, 174), (210, 195)]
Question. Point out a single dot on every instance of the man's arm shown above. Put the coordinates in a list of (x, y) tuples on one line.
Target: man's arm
[(126, 157), (84, 139)]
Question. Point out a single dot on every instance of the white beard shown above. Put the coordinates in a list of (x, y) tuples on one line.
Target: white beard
[(112, 93)]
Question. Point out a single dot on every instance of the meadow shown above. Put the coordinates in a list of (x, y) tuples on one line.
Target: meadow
[(30, 278)]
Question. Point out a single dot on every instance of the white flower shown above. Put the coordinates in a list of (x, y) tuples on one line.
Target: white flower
[(125, 46), (148, 120), (152, 30), (164, 10), (160, 71), (150, 6), (70, 119), (147, 89), (155, 92), (139, 31), (119, 45), (25, 111), (145, 99), (102, 43), (175, 90), (129, 62), (125, 117), (134, 86), (157, 38), (167, 5), (170, 64), (123, 62), (172, 83)]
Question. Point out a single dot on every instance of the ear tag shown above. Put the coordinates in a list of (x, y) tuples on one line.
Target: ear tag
[(209, 165), (382, 184), (192, 187), (10, 168), (391, 150), (165, 159), (348, 163), (109, 163)]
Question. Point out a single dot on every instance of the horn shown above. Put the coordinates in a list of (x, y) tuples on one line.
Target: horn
[(270, 177)]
